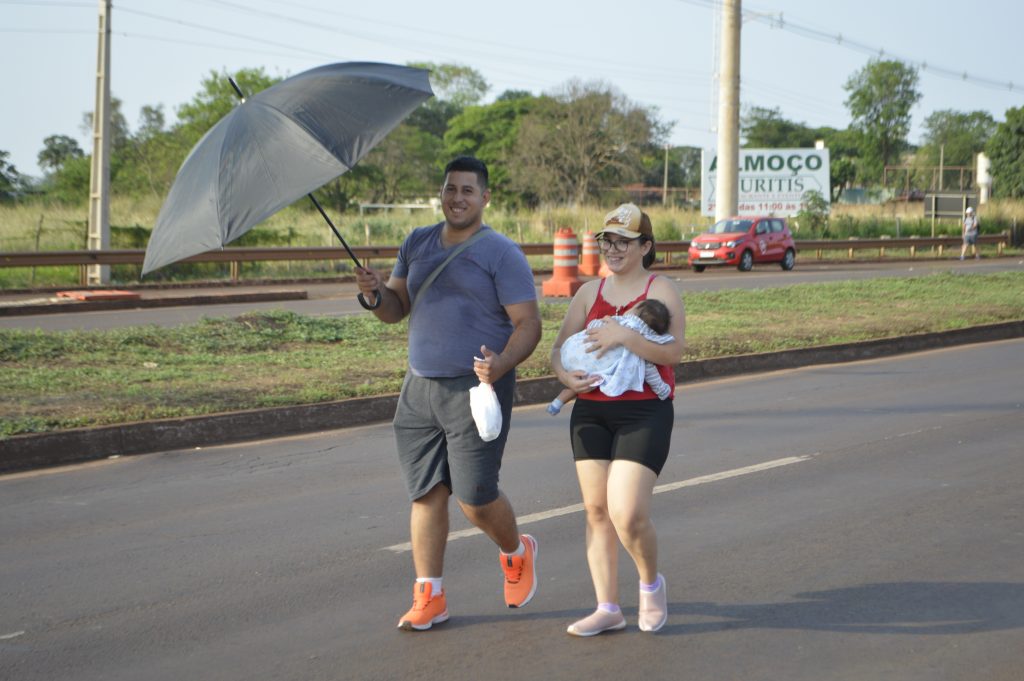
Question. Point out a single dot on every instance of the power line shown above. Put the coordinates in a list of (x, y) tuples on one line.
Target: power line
[(777, 20), (50, 3), (232, 34)]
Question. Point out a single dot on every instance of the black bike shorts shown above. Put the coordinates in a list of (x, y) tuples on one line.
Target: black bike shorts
[(629, 430)]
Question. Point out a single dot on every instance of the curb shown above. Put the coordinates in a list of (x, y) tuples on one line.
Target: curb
[(166, 301), (33, 451)]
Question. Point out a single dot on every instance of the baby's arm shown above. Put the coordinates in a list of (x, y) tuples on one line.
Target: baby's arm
[(657, 383)]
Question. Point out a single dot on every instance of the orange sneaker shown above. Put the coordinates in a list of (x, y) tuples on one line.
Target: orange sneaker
[(520, 574), (427, 609)]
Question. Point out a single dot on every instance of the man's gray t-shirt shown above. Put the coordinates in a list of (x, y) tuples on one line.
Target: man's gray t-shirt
[(464, 307)]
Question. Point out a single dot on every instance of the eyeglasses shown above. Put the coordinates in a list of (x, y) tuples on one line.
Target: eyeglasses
[(617, 245)]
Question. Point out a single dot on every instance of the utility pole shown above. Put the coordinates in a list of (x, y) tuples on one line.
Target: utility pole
[(727, 174), (942, 164), (664, 185), (99, 175)]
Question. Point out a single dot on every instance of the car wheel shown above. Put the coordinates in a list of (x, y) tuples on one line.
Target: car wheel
[(698, 268), (789, 260), (746, 262)]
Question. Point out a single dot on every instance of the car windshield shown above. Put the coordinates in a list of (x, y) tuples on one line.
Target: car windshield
[(730, 226)]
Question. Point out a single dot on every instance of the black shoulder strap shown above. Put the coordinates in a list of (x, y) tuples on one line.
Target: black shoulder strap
[(437, 270)]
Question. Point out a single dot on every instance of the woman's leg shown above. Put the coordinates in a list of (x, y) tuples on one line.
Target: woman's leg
[(602, 542), (630, 486)]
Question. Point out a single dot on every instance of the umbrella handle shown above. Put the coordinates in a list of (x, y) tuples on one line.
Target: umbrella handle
[(369, 306)]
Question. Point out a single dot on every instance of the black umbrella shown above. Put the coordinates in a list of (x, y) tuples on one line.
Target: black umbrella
[(275, 147)]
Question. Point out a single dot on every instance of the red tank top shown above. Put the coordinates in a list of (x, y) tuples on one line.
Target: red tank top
[(602, 308)]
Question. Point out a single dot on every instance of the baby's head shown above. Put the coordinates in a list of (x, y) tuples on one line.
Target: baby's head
[(654, 314)]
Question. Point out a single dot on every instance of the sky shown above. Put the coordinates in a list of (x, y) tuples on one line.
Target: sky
[(796, 55)]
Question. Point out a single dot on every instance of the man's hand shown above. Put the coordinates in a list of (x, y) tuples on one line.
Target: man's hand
[(369, 283), (490, 367)]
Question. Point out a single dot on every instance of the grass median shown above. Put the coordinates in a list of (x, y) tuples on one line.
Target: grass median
[(58, 380)]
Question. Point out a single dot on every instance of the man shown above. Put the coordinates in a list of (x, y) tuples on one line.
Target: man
[(475, 323), (970, 234)]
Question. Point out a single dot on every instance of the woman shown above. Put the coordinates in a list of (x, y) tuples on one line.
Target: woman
[(620, 444)]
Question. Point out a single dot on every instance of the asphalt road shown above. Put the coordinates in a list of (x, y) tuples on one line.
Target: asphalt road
[(336, 299), (855, 521)]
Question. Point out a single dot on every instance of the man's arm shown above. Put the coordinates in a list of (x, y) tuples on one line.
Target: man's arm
[(526, 331), (395, 303)]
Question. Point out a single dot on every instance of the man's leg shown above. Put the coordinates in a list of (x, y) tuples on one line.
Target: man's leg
[(497, 520), (518, 555), (428, 527)]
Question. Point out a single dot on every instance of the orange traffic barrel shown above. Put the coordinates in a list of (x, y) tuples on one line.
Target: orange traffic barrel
[(564, 279), (590, 262)]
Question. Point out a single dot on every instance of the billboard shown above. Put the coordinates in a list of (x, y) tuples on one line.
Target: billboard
[(771, 181)]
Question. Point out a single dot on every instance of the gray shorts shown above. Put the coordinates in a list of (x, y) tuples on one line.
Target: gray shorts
[(438, 441)]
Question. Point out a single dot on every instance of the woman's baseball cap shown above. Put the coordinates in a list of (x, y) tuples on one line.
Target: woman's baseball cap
[(629, 221)]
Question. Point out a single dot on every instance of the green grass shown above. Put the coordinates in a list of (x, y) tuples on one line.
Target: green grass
[(57, 380)]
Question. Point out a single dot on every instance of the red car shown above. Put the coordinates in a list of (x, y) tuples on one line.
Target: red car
[(742, 242)]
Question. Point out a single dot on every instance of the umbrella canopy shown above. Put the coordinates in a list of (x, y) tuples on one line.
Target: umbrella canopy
[(277, 146)]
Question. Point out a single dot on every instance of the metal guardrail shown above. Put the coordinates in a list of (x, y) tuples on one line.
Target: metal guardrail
[(366, 254)]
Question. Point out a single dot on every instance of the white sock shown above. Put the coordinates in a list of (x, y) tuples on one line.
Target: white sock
[(609, 607), (651, 588), (435, 583), (518, 552)]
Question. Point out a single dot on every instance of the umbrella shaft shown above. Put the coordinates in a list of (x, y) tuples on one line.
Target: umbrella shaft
[(334, 229)]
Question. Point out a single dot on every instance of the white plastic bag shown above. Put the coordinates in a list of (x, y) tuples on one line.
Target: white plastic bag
[(483, 403)]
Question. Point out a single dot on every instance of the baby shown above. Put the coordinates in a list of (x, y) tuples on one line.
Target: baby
[(619, 370)]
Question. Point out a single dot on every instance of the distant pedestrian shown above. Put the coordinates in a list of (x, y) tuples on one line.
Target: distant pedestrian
[(483, 302), (970, 233)]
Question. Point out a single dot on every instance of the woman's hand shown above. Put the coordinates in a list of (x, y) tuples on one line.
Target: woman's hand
[(578, 381), (607, 336)]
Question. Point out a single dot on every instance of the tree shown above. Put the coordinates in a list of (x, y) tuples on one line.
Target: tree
[(581, 138), (843, 161), (688, 161), (683, 167), (813, 215), (1005, 149), (880, 98), (455, 87), (404, 164), (461, 85), (956, 136), (215, 100), (152, 157), (10, 179), (119, 131), (489, 132), (765, 128), (70, 184), (513, 94), (57, 150)]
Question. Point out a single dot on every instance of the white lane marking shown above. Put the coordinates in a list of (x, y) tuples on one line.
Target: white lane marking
[(10, 636), (669, 487)]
